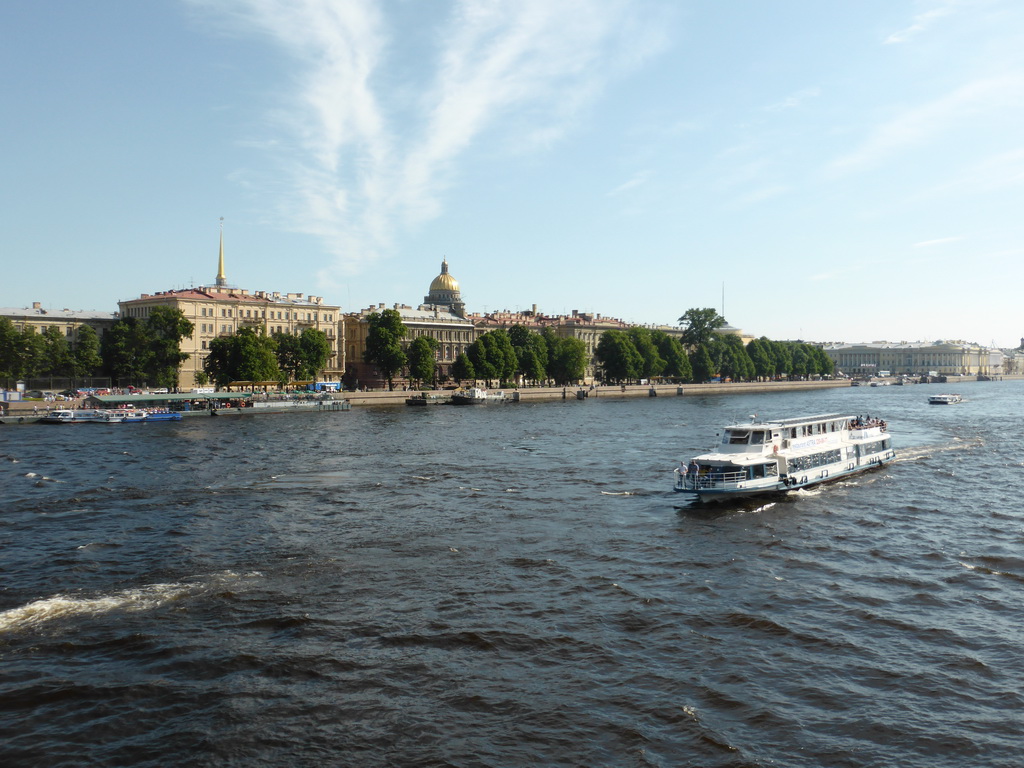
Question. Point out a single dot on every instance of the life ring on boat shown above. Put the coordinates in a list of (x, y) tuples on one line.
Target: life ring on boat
[(775, 449)]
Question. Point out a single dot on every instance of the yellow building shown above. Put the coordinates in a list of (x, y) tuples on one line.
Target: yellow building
[(441, 316), (220, 310), (946, 358)]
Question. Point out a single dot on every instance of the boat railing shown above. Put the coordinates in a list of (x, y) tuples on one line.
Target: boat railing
[(708, 479)]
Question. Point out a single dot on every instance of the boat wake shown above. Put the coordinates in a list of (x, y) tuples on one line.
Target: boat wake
[(42, 612), (927, 451)]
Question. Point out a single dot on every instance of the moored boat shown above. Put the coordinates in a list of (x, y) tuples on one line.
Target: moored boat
[(785, 455), (945, 399), (69, 416), (476, 396)]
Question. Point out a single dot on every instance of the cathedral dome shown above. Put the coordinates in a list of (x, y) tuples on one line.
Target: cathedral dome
[(444, 281)]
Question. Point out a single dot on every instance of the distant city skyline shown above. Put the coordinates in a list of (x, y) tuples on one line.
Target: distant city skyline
[(846, 173)]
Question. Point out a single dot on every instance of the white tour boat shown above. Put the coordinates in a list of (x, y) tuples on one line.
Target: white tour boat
[(945, 399), (780, 456)]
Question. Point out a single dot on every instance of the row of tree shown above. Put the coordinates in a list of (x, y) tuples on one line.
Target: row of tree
[(26, 354), (133, 350), (704, 353), (497, 355), (251, 355), (148, 351)]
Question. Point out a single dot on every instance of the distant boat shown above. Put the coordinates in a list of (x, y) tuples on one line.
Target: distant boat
[(945, 399), (476, 396)]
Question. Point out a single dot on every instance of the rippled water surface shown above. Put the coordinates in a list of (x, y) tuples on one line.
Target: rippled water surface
[(511, 585)]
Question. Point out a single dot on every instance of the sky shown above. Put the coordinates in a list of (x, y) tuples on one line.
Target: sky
[(825, 171)]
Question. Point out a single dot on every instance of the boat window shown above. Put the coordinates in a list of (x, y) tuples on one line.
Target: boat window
[(738, 438), (757, 438)]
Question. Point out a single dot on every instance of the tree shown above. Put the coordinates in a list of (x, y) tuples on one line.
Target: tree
[(493, 357), (383, 343), (699, 326), (246, 355), (289, 355), (316, 351), (56, 353), (422, 356), (85, 357), (653, 364), (618, 357), (702, 365), (167, 327), (126, 351), (10, 350), (531, 352), (677, 364), (567, 360), (462, 368), (302, 357), (761, 356), (736, 363)]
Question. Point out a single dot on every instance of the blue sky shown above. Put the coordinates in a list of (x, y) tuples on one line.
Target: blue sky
[(840, 171)]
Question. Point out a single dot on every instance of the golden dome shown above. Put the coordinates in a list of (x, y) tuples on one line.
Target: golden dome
[(444, 281)]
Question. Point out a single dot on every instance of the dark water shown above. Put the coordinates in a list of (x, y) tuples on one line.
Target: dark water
[(510, 585)]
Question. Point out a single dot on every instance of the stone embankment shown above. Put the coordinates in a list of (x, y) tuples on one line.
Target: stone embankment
[(529, 394)]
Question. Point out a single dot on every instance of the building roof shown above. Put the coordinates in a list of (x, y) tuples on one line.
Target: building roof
[(36, 312), (234, 296), (423, 314)]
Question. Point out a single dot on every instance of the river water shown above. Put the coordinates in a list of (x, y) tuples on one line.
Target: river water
[(511, 585)]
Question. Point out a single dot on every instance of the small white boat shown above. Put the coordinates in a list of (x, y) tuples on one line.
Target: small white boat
[(785, 455), (945, 399), (72, 416), (476, 396)]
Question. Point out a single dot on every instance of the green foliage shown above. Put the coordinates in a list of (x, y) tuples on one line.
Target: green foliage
[(56, 359), (126, 351), (383, 343), (531, 352), (462, 368), (493, 357), (316, 351), (85, 357), (677, 364), (22, 353), (702, 365), (422, 356), (759, 351), (302, 357), (167, 327), (619, 357), (290, 358), (699, 326), (567, 360), (247, 355), (653, 364), (10, 350)]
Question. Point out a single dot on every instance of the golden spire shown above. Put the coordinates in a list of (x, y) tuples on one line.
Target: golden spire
[(221, 279)]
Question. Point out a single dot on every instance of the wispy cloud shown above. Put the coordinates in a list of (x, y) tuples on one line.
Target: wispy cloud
[(922, 21), (937, 241), (917, 126), (637, 180), (361, 165), (794, 100)]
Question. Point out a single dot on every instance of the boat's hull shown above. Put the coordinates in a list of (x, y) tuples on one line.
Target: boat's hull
[(461, 400), (710, 492)]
